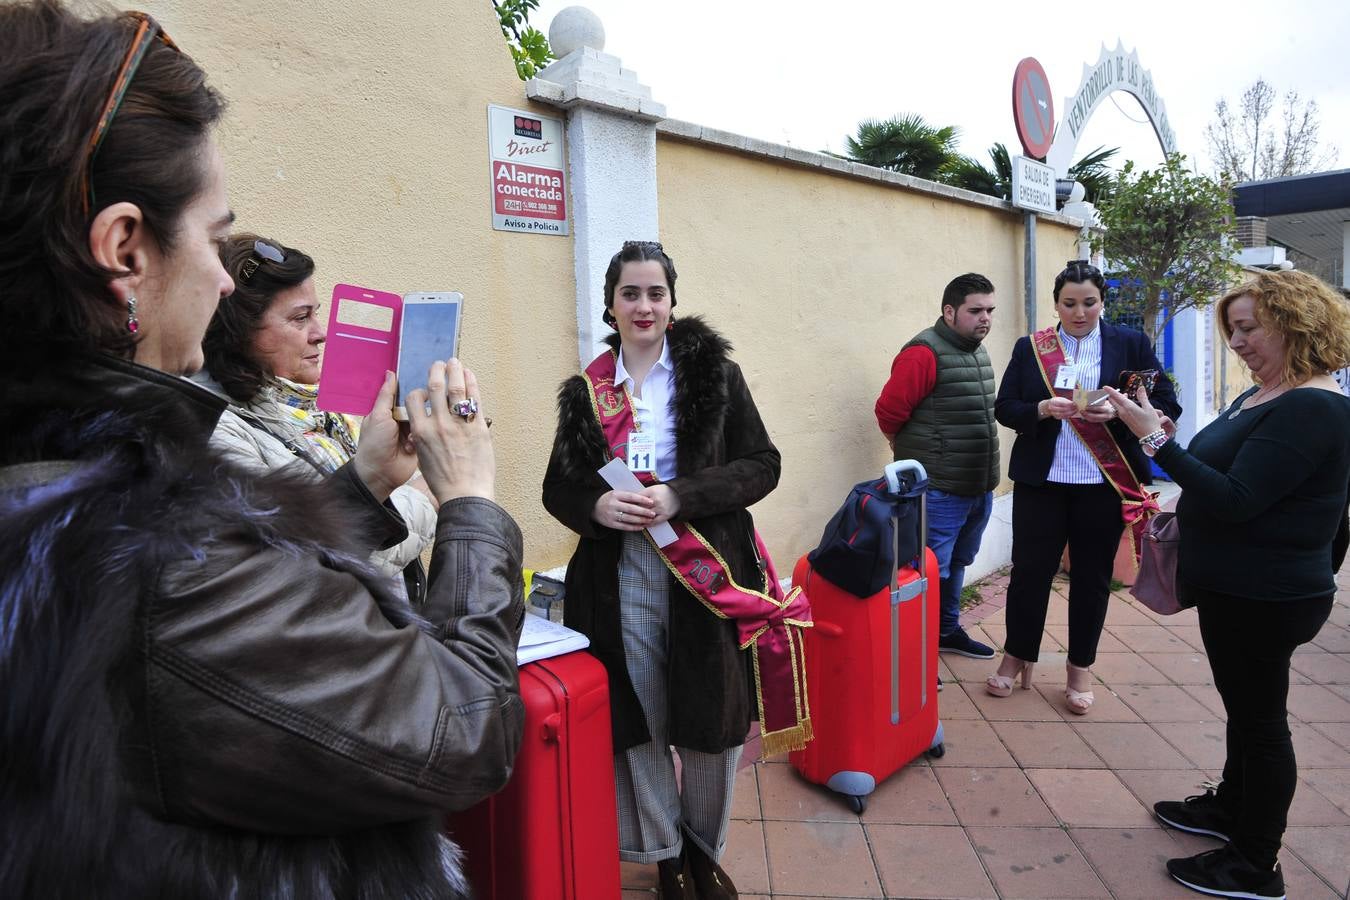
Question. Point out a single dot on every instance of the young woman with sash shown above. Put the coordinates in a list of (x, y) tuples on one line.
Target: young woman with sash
[(695, 635), (1078, 475)]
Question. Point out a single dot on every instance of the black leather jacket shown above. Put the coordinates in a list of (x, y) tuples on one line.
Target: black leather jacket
[(210, 692)]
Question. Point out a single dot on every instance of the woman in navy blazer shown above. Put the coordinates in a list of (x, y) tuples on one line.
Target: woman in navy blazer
[(1059, 494)]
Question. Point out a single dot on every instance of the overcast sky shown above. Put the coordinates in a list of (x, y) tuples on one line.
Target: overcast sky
[(805, 73)]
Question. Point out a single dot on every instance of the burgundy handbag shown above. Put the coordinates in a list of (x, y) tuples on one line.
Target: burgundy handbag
[(1156, 584)]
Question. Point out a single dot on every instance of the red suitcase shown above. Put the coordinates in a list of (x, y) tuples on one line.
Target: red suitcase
[(552, 833), (871, 667)]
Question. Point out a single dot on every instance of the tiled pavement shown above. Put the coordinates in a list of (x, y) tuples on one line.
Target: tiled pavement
[(1031, 801)]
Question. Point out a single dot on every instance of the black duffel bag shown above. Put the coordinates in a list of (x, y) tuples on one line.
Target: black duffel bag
[(857, 552)]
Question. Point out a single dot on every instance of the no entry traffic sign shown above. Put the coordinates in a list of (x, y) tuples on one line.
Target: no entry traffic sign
[(1033, 108)]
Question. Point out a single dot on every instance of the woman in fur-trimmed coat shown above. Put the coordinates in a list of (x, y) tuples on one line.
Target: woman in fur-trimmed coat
[(676, 674)]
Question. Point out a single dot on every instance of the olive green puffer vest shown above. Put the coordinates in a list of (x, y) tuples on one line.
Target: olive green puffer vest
[(953, 432)]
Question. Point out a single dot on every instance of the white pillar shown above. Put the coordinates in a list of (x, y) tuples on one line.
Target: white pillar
[(611, 144), (1193, 365)]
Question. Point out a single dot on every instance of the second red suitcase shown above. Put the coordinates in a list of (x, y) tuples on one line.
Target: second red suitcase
[(552, 833), (871, 667)]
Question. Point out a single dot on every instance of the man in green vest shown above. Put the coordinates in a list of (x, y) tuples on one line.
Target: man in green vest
[(938, 408)]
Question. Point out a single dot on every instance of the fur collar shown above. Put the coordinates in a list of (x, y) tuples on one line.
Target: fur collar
[(701, 357)]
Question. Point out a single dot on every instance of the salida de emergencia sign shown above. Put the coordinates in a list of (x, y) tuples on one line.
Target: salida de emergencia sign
[(529, 190)]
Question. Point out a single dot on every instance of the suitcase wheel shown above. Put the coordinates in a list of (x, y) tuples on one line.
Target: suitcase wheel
[(857, 803), (937, 751)]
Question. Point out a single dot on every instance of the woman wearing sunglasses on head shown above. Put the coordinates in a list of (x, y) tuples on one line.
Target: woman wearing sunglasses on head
[(208, 691), (263, 353), (1077, 475)]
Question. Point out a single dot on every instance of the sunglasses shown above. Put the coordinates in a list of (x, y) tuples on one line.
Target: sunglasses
[(147, 32), (262, 252)]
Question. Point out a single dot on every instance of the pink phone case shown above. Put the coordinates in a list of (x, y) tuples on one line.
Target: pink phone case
[(359, 349)]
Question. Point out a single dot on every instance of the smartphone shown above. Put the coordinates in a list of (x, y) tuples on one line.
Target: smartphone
[(1131, 381), (428, 333)]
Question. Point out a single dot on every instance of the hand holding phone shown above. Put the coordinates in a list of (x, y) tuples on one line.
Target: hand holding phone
[(1131, 381)]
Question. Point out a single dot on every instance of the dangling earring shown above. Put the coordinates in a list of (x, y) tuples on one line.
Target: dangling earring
[(133, 323), (608, 318), (670, 326)]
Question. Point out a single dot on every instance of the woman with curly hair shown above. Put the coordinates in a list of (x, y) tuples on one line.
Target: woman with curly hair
[(1263, 531)]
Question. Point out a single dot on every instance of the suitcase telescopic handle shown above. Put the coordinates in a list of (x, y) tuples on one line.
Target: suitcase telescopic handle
[(894, 470)]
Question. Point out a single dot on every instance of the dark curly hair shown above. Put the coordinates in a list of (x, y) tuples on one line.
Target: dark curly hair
[(636, 251), (228, 345), (56, 72)]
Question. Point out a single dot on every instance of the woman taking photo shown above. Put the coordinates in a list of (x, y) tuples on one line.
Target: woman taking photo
[(1263, 527), (1074, 470), (262, 352), (668, 400), (208, 691)]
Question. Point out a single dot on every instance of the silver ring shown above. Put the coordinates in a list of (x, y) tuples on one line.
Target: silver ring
[(620, 515), (466, 409)]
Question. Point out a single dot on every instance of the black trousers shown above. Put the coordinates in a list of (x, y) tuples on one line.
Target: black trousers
[(1249, 644), (1087, 516)]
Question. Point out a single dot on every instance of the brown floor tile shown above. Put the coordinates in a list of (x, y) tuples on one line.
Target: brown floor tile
[(1314, 703), (1203, 743), (1315, 750), (744, 859), (1333, 638), (1208, 697), (827, 859), (1324, 668), (994, 797), (1340, 690), (1107, 643), (1188, 633), (953, 702), (1057, 611), (1130, 744), (1118, 613), (1339, 732), (967, 670), (1089, 797), (991, 633), (1182, 668), (1132, 861), (1039, 745), (1035, 863), (1151, 785), (1022, 706), (784, 795), (1333, 784), (641, 876), (1106, 707), (1149, 639), (1302, 883), (1163, 703), (745, 798), (1311, 806), (1323, 849), (970, 743), (645, 894), (1184, 619), (1120, 669), (927, 861), (912, 796)]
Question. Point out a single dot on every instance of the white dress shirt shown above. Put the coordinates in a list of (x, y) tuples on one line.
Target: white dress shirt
[(1073, 463), (652, 411)]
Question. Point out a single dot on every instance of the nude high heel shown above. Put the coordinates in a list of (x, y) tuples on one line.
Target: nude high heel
[(1002, 685), (1078, 702)]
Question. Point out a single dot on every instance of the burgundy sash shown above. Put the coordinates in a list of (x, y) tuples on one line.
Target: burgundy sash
[(768, 624), (1137, 504)]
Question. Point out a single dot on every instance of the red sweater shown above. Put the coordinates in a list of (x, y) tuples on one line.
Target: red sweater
[(913, 376)]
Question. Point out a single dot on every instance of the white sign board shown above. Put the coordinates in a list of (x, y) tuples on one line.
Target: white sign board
[(529, 188), (1033, 185)]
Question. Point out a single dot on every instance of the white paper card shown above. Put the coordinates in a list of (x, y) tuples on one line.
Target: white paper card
[(540, 639), (616, 475), (1067, 377)]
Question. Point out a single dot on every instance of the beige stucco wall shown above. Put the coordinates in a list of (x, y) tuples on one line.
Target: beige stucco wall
[(360, 135), (818, 279)]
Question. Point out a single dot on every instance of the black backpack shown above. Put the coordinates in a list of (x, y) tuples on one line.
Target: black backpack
[(857, 552)]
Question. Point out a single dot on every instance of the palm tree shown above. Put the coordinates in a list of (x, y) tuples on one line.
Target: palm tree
[(905, 144)]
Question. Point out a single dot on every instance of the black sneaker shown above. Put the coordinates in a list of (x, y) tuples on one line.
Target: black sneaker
[(1198, 814), (1226, 873), (962, 644)]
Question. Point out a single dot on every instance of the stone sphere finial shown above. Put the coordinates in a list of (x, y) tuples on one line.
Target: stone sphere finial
[(573, 28)]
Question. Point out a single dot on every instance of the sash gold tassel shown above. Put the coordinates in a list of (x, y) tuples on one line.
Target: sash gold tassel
[(786, 740)]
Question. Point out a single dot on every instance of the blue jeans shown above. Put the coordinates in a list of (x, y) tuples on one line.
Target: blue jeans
[(955, 526)]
